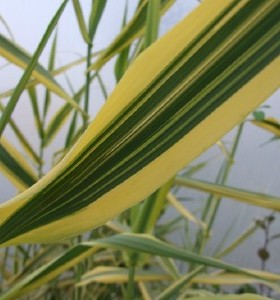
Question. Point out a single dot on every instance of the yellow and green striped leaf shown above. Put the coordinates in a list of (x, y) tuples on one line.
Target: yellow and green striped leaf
[(222, 278), (15, 167), (196, 83), (104, 274), (231, 297)]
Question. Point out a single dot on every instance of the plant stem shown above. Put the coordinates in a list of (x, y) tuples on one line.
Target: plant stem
[(213, 203), (3, 266), (78, 272), (131, 275), (86, 103)]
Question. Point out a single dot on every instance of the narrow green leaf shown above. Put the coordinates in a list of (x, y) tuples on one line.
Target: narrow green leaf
[(71, 132), (148, 244), (19, 57), (35, 261), (184, 211), (182, 281), (81, 20), (134, 29), (152, 23), (56, 72), (31, 66), (51, 66), (47, 272), (174, 288), (151, 210), (248, 197), (95, 16), (239, 240), (34, 103), (7, 27), (22, 139), (102, 86), (122, 60)]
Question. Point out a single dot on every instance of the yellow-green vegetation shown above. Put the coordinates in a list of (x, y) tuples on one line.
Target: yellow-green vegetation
[(91, 227)]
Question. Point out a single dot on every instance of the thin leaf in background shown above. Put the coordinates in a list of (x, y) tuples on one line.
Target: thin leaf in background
[(97, 10), (270, 124), (19, 57), (31, 66), (122, 59), (81, 21), (152, 23), (118, 275), (133, 242), (183, 210), (56, 72), (134, 29), (231, 297), (248, 197), (7, 27)]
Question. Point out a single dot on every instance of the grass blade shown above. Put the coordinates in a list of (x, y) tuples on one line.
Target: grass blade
[(51, 66), (95, 16), (152, 23), (231, 297), (81, 21), (104, 274), (31, 66), (122, 59), (34, 103), (134, 29), (56, 72), (19, 57), (183, 211), (7, 27), (248, 197)]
